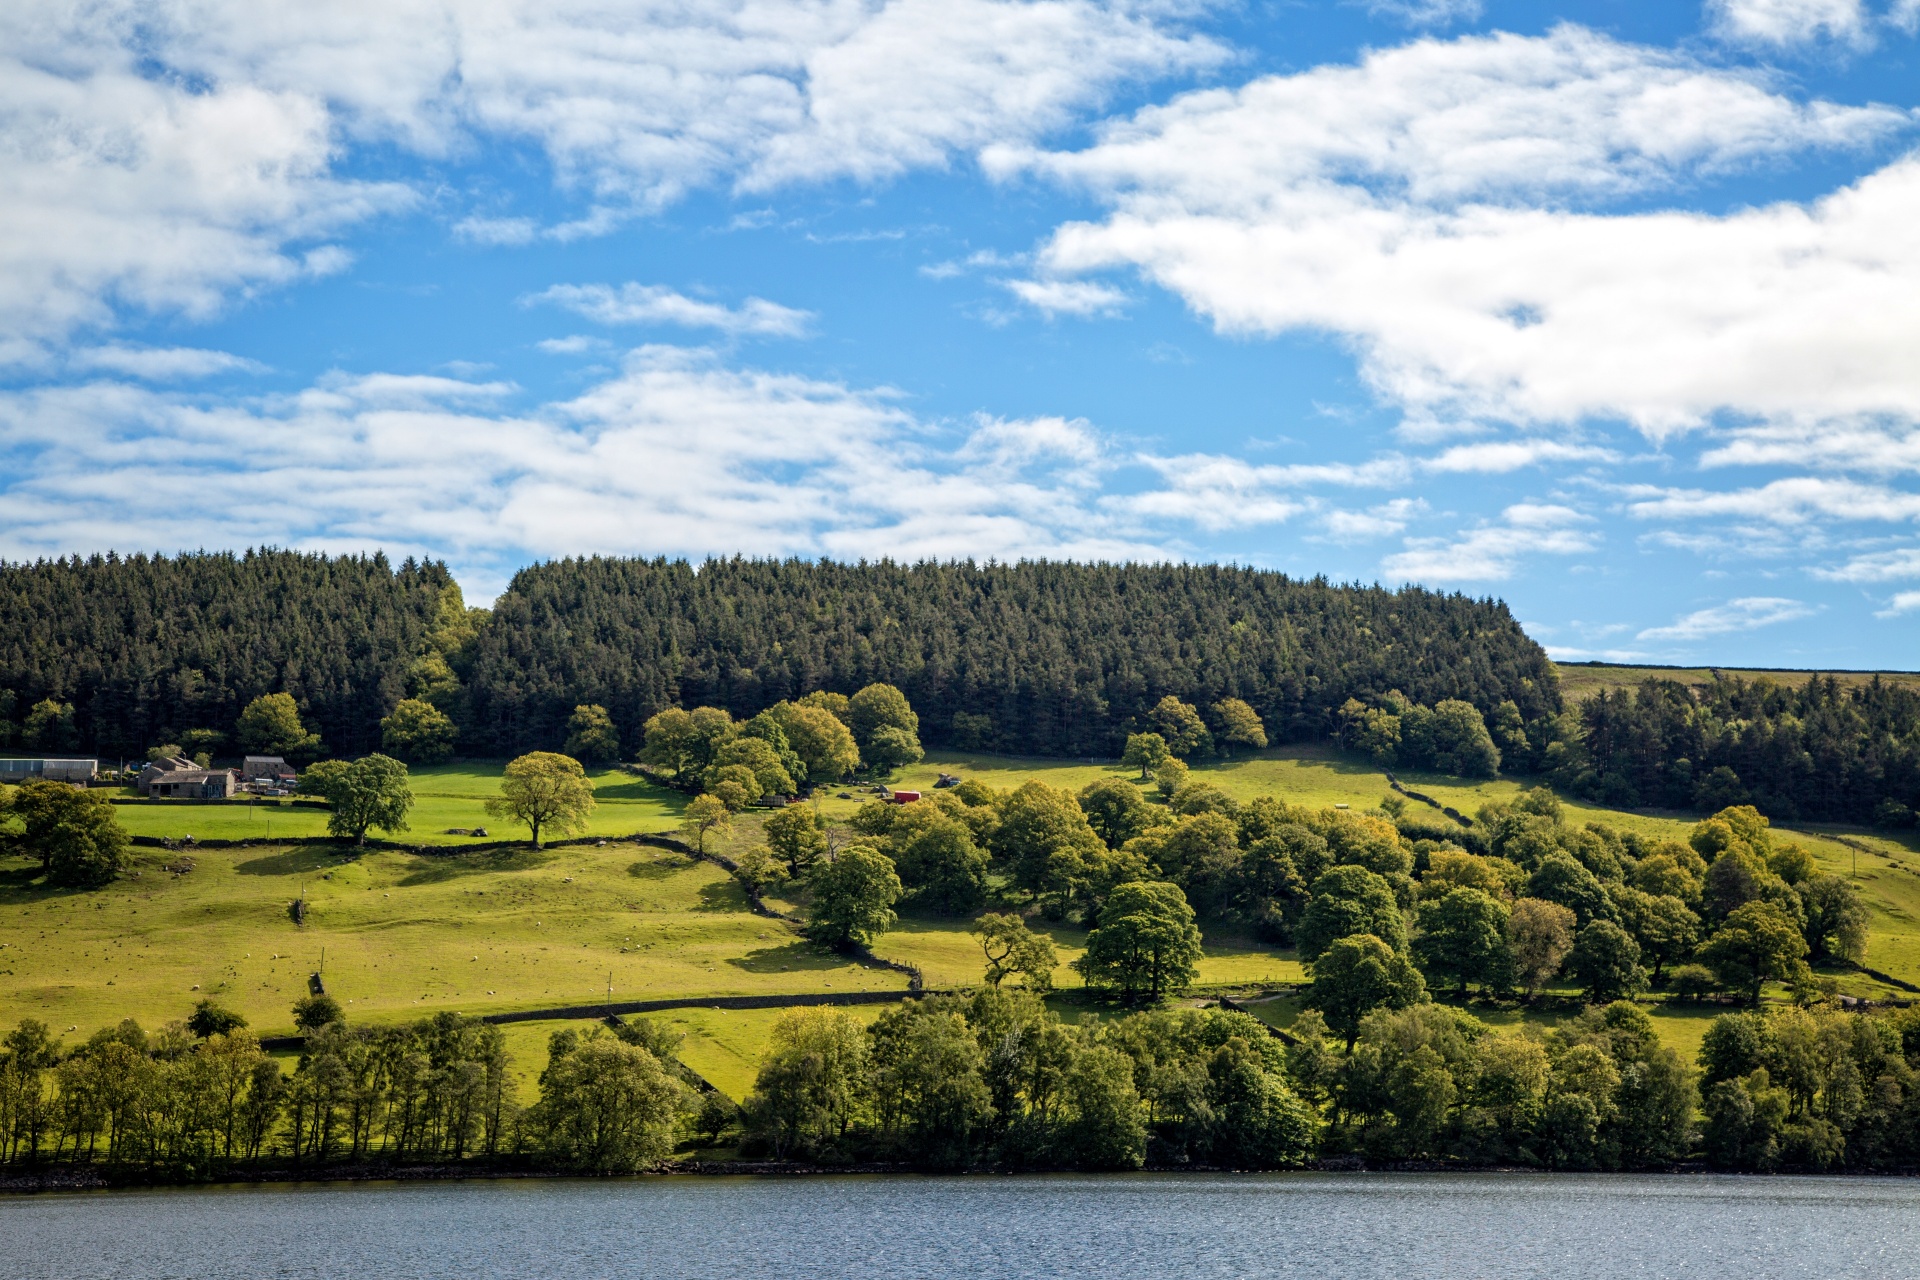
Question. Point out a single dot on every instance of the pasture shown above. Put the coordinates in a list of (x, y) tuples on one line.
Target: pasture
[(406, 933)]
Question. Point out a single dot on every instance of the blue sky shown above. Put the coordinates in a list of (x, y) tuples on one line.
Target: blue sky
[(1609, 309)]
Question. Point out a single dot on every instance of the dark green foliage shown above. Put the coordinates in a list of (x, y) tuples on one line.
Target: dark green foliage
[(210, 1019), (1349, 900), (144, 648), (1145, 941), (1357, 974), (310, 1013), (1605, 961), (1821, 752), (852, 897), (1041, 658), (74, 833), (1463, 938)]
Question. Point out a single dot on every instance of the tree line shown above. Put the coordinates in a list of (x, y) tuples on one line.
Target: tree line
[(118, 655), (1824, 751)]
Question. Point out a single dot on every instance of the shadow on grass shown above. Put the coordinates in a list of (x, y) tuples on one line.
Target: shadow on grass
[(793, 957), (639, 789), (290, 862), (723, 895), (441, 870), (657, 868)]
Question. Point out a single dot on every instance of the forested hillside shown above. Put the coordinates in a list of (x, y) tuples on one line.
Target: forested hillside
[(1824, 751), (139, 650), (115, 655), (1032, 658)]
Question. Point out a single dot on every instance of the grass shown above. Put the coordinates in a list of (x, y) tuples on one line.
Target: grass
[(446, 797), (1581, 680), (406, 934)]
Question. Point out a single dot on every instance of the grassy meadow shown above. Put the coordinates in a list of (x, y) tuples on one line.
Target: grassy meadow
[(1580, 680), (411, 933)]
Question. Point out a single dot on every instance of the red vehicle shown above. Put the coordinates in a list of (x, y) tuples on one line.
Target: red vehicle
[(904, 797)]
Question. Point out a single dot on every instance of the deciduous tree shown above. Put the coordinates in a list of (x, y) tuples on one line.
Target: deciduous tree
[(852, 897), (544, 791)]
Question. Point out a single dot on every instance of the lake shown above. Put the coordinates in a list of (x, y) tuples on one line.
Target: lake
[(1404, 1227)]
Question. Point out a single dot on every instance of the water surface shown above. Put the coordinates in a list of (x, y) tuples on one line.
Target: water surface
[(1183, 1227)]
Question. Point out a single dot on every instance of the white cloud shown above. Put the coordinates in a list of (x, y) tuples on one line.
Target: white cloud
[(1496, 456), (1425, 13), (1794, 500), (1904, 602), (1439, 206), (1067, 297), (1380, 521), (1789, 22), (161, 364), (1744, 614), (677, 453), (1493, 551), (168, 154), (572, 345), (1905, 14), (124, 190), (1876, 566), (657, 304)]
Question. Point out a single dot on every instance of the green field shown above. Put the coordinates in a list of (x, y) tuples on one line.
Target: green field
[(446, 797), (408, 933), (1580, 680)]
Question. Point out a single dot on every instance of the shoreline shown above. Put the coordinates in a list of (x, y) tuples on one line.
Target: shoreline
[(66, 1178)]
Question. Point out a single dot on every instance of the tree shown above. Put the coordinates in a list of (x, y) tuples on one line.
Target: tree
[(891, 748), (1115, 810), (591, 734), (1145, 940), (1180, 724), (607, 1106), (944, 868), (704, 816), (1042, 831), (1663, 926), (671, 740), (1348, 900), (49, 726), (73, 832), (1461, 743), (418, 732), (1012, 948), (1836, 919), (270, 726), (310, 1013), (1104, 1126), (1358, 974), (1540, 934), (1605, 960), (852, 897), (824, 746), (1755, 943), (797, 835), (370, 792), (758, 756), (1561, 878), (544, 790), (1239, 724), (885, 728), (813, 1082), (1463, 936), (1145, 752), (1170, 778), (210, 1019), (320, 778)]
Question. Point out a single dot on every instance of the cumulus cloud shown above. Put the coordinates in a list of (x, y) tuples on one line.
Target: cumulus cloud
[(1744, 614), (1493, 551), (1443, 206), (119, 189), (168, 154), (1904, 602), (676, 453), (659, 305), (1789, 22)]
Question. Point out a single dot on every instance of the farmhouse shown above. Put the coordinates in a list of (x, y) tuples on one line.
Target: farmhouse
[(181, 779), (273, 770), (78, 772)]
